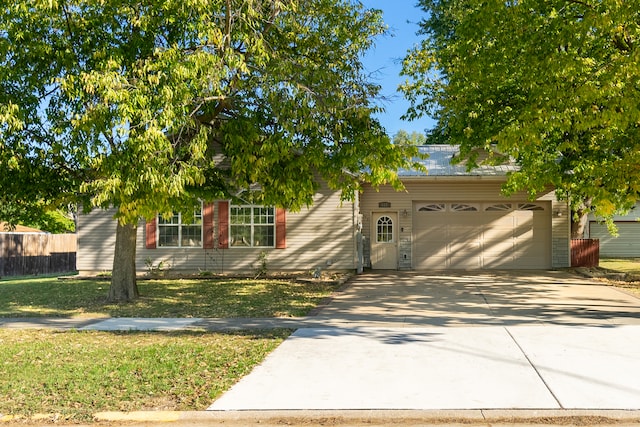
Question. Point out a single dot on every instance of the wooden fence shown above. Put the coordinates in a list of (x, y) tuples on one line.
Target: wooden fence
[(585, 252), (24, 254)]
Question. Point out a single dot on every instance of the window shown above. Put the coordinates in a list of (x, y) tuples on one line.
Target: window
[(498, 207), (252, 226), (384, 230), (463, 207), (175, 232), (432, 207), (530, 207)]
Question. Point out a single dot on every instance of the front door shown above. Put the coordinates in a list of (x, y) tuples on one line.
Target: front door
[(384, 241)]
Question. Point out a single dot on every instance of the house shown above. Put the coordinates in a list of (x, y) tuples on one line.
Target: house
[(626, 244), (446, 219)]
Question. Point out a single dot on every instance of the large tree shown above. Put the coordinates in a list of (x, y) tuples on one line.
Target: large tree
[(555, 84), (414, 138), (133, 105)]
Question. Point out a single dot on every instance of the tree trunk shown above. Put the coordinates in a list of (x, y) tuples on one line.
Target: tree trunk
[(123, 276), (578, 226), (582, 213)]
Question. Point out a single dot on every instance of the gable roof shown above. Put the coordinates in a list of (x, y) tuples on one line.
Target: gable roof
[(439, 164)]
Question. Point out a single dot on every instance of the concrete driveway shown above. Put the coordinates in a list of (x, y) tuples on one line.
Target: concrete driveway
[(457, 340)]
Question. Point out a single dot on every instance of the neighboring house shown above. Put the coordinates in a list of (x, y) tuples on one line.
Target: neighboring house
[(626, 244), (448, 219)]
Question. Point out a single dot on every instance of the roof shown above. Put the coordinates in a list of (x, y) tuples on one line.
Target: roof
[(439, 164)]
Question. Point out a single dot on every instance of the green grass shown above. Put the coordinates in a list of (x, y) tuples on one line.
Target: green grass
[(41, 297), (76, 374), (624, 265)]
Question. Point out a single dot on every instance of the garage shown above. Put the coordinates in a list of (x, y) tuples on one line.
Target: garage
[(488, 235), (626, 245)]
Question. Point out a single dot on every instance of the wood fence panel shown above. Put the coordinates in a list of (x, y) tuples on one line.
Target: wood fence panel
[(585, 252), (36, 253)]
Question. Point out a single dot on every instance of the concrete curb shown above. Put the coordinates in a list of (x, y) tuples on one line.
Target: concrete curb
[(373, 417)]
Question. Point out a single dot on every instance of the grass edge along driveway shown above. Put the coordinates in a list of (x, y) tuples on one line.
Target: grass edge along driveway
[(72, 375)]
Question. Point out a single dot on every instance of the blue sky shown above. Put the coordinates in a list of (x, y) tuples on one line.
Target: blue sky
[(385, 61)]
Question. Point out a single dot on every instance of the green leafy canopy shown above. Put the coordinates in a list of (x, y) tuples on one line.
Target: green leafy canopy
[(553, 84), (149, 106)]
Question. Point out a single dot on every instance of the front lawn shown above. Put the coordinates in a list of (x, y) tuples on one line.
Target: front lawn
[(69, 376), (39, 297), (629, 266), (624, 265)]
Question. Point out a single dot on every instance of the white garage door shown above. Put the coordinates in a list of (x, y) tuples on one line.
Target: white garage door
[(481, 235), (627, 244)]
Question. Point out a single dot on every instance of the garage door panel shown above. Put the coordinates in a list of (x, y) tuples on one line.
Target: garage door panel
[(499, 247), (482, 239), (497, 235), (464, 262), (502, 221), (505, 262), (464, 234), (431, 251), (465, 247), (433, 262)]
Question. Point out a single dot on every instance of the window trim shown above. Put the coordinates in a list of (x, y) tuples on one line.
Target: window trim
[(252, 225), (179, 226)]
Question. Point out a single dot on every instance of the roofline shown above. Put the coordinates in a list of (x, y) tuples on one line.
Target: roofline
[(502, 178)]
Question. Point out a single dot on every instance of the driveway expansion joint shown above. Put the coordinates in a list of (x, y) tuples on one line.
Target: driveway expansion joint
[(534, 367)]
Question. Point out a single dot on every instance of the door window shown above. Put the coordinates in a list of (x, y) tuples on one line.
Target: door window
[(384, 230)]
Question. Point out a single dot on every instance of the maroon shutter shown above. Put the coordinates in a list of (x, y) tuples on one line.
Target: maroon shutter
[(151, 234), (223, 225), (207, 226), (281, 228)]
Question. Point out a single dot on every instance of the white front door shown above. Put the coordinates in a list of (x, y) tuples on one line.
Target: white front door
[(384, 241)]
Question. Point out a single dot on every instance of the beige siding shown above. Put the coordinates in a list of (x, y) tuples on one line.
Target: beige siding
[(321, 236), (626, 244), (438, 189)]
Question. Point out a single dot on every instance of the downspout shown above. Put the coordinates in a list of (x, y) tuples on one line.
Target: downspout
[(356, 219)]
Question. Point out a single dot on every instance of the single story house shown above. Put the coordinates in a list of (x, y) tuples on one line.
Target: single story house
[(626, 244), (447, 219)]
